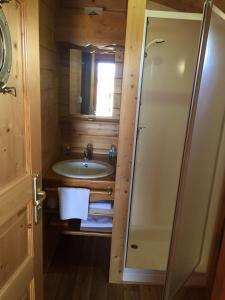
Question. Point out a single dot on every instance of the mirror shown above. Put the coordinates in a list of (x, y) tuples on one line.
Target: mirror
[(5, 50), (92, 82)]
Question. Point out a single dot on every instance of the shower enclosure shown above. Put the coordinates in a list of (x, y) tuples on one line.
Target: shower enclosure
[(179, 154)]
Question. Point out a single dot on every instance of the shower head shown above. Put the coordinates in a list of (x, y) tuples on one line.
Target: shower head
[(155, 41)]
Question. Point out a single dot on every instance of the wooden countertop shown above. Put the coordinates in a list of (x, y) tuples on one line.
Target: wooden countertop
[(51, 179)]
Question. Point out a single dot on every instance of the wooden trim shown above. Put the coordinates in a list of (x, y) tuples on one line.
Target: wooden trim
[(32, 94), (220, 218), (216, 242), (79, 117), (95, 195), (83, 233), (219, 285), (130, 88)]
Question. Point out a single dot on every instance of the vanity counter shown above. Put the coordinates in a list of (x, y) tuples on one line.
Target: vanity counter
[(102, 189), (53, 180)]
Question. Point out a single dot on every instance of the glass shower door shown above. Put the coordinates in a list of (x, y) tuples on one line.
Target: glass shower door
[(172, 44), (205, 139)]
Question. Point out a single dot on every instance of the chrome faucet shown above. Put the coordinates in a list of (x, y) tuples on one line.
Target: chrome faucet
[(88, 153)]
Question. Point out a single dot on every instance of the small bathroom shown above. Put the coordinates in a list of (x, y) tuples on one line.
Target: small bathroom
[(112, 150), (132, 147)]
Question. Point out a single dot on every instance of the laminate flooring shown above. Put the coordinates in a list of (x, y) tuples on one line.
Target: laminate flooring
[(79, 271)]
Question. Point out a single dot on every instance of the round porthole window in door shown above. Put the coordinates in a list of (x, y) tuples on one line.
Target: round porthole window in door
[(5, 52)]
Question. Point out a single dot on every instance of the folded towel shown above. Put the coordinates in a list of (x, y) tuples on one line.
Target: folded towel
[(73, 203), (100, 205), (97, 222)]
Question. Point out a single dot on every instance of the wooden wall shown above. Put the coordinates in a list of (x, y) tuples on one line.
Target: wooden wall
[(79, 131), (75, 27), (49, 60)]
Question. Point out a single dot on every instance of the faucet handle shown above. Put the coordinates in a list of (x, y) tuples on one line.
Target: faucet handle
[(89, 151), (90, 146), (85, 155)]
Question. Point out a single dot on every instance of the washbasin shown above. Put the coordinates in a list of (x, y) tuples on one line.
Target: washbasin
[(81, 169)]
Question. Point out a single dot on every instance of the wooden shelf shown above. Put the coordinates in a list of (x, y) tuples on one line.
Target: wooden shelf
[(101, 214), (73, 228), (95, 195), (83, 233), (55, 211)]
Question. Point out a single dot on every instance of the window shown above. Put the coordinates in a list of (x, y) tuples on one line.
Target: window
[(105, 89)]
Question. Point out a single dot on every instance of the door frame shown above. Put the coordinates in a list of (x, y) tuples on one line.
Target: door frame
[(218, 292), (135, 28), (34, 97)]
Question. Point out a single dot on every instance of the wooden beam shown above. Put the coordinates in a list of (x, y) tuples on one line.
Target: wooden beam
[(132, 65)]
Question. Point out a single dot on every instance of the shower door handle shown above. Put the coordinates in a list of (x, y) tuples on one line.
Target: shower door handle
[(139, 130)]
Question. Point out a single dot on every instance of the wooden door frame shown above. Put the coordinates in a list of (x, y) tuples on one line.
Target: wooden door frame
[(130, 90), (218, 292), (216, 271), (32, 95)]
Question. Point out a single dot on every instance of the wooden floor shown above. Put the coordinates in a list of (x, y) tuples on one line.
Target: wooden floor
[(79, 271)]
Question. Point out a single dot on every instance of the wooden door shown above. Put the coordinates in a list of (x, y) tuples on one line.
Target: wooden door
[(20, 158)]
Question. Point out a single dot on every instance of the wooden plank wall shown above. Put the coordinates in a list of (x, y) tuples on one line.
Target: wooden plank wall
[(78, 132), (49, 62), (75, 27)]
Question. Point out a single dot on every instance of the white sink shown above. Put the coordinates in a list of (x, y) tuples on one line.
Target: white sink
[(78, 168)]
